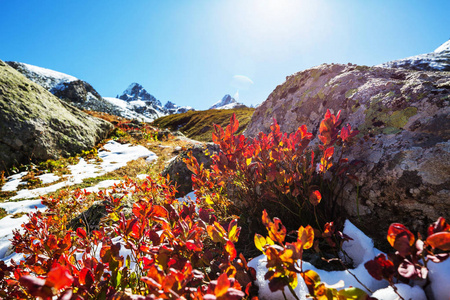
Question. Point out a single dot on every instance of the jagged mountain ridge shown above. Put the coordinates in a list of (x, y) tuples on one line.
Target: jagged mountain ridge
[(227, 102), (438, 60), (136, 100), (134, 103)]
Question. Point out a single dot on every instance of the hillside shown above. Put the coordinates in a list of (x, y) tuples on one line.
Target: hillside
[(199, 125)]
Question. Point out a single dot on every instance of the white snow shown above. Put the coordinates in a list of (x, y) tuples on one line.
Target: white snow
[(127, 109), (47, 78), (227, 102), (22, 206), (13, 182), (407, 292), (114, 156), (444, 47), (439, 275), (49, 73), (48, 178)]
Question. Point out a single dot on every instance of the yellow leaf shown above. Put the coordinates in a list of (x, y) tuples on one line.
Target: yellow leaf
[(114, 217), (208, 200), (269, 241), (260, 242), (248, 161)]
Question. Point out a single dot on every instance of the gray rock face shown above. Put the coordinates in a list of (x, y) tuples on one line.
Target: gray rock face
[(35, 125), (178, 171), (172, 108), (68, 88), (439, 60), (404, 117)]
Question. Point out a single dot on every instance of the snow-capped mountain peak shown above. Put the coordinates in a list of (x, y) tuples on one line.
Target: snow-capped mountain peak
[(136, 92), (444, 47), (227, 101)]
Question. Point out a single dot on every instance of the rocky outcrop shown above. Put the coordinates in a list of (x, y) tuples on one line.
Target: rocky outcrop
[(66, 87), (404, 122), (439, 60), (35, 125), (178, 171)]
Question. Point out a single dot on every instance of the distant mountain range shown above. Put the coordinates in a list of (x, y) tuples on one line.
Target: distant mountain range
[(136, 100), (134, 103)]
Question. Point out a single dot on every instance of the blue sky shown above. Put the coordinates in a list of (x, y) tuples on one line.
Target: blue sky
[(189, 52)]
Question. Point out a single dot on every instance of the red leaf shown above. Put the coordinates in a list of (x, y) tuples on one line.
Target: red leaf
[(86, 277), (438, 226), (81, 232), (33, 285), (315, 198), (397, 229), (234, 123), (380, 267), (59, 277)]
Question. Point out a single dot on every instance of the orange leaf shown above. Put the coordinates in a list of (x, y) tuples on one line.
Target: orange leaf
[(223, 284), (306, 235), (440, 240), (265, 218), (231, 250), (395, 230)]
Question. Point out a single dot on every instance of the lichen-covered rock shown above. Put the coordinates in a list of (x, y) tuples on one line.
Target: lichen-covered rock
[(35, 125), (178, 171), (404, 118)]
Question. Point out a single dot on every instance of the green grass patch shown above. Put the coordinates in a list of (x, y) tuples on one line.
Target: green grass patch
[(199, 125)]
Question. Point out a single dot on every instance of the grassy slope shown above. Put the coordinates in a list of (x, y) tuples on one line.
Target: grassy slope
[(199, 125)]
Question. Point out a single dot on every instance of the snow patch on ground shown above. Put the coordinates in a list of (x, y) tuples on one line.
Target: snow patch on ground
[(407, 292), (113, 154)]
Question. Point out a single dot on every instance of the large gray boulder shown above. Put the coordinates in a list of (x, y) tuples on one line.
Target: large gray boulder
[(35, 125), (404, 117), (180, 174)]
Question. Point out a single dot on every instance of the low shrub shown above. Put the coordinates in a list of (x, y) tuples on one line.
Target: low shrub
[(278, 172)]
